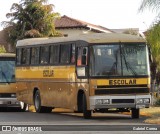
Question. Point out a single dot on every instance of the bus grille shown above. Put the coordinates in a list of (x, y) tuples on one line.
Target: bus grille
[(7, 95), (121, 91), (122, 101)]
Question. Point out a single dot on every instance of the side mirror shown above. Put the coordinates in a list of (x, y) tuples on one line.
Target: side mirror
[(150, 55)]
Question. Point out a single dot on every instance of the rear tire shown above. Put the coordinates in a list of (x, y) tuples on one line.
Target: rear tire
[(135, 113), (86, 113), (37, 104)]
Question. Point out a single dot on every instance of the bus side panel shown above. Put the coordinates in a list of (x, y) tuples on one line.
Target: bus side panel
[(59, 91), (24, 92), (21, 91), (83, 85), (53, 90)]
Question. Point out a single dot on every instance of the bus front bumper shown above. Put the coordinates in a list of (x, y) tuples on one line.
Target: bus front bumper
[(9, 102), (130, 101)]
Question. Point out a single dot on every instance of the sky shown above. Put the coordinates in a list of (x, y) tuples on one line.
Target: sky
[(112, 14)]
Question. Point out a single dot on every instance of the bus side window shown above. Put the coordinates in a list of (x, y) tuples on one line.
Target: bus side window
[(44, 55), (82, 56), (35, 56), (18, 56), (54, 54), (79, 57), (73, 53), (65, 54), (26, 56)]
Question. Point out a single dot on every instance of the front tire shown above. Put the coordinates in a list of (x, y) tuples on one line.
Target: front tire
[(135, 113), (37, 104), (86, 113)]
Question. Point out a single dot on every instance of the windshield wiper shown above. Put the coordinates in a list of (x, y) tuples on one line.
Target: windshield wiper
[(4, 76), (128, 66), (113, 69)]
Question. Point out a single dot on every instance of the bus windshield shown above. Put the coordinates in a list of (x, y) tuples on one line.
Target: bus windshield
[(7, 71), (128, 59)]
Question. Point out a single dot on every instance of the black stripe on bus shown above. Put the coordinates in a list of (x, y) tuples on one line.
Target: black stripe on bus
[(121, 91)]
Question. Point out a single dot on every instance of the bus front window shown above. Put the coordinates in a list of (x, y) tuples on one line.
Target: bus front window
[(119, 60), (7, 71), (134, 59)]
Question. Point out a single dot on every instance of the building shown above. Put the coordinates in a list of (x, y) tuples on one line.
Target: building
[(69, 26), (125, 30)]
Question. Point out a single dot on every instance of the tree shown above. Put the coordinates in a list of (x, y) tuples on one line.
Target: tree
[(153, 39), (153, 5), (2, 49), (30, 18), (153, 34)]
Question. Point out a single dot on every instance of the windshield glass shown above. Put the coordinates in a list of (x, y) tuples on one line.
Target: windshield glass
[(7, 71), (119, 60)]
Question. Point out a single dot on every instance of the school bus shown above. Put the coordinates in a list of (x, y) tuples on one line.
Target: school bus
[(7, 81), (95, 72)]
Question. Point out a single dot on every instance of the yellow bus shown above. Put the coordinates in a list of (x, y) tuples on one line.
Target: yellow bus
[(87, 73), (7, 81)]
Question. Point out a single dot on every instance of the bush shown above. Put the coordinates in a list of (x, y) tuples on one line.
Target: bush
[(2, 49), (157, 103)]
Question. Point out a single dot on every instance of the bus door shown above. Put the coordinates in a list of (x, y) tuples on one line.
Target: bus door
[(82, 60), (82, 64)]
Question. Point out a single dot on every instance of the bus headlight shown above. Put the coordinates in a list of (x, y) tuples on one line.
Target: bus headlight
[(102, 101), (146, 100), (139, 100), (143, 100), (98, 102), (106, 101)]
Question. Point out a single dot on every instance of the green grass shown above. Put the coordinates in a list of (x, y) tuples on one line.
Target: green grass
[(153, 114)]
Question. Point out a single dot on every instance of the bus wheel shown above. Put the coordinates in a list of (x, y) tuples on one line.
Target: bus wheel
[(37, 102), (135, 113), (86, 113), (24, 106)]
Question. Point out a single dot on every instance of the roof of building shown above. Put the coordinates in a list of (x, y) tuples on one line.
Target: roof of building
[(122, 30), (66, 22)]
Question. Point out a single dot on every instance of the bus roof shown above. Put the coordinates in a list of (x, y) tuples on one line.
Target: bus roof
[(90, 38), (8, 55)]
